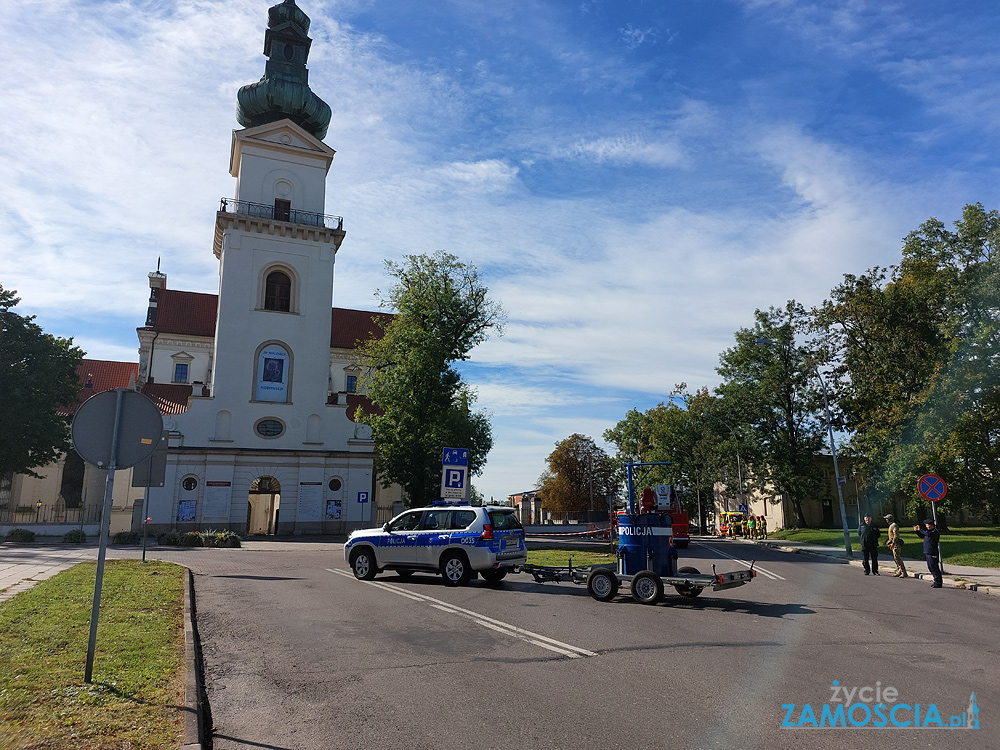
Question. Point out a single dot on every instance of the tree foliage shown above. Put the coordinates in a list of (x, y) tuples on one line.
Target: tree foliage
[(684, 432), (772, 390), (917, 347), (578, 470), (421, 403), (37, 376)]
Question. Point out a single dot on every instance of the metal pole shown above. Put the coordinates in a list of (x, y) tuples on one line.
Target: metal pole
[(109, 486), (836, 470)]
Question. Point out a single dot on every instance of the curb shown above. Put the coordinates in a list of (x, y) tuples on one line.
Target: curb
[(194, 714), (953, 582)]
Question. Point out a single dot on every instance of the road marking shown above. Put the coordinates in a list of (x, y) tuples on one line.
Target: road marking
[(512, 631), (763, 571)]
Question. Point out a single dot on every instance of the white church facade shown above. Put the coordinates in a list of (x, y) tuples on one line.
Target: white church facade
[(258, 384)]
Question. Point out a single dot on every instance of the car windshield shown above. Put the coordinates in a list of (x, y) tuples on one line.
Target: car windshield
[(504, 520)]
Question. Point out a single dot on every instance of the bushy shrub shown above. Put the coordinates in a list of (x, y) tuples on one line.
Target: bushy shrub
[(20, 535), (191, 539), (126, 537), (76, 536), (225, 539), (169, 538)]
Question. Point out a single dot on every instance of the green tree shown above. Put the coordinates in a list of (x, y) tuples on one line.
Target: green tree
[(917, 345), (686, 431), (37, 376), (578, 470), (771, 389), (421, 404)]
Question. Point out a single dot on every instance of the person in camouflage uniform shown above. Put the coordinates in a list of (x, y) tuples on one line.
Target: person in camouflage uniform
[(895, 544)]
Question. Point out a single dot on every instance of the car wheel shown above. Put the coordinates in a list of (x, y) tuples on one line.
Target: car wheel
[(455, 569), (363, 564), (689, 591), (494, 576), (647, 588), (602, 584)]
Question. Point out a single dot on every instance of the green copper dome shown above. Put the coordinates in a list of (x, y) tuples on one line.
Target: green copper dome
[(284, 90)]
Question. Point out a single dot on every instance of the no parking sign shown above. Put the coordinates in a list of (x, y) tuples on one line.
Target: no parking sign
[(932, 487)]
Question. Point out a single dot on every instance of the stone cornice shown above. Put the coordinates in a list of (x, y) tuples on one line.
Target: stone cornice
[(258, 225)]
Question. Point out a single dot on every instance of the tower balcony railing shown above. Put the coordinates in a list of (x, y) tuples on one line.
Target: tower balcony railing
[(281, 213)]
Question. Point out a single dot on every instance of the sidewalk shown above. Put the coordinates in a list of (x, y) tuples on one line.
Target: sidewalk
[(986, 580)]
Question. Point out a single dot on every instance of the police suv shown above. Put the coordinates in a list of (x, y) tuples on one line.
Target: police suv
[(453, 539)]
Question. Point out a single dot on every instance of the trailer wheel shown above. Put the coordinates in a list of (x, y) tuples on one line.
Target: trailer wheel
[(602, 584), (689, 591), (647, 588)]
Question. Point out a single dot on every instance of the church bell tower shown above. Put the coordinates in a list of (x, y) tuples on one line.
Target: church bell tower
[(276, 245)]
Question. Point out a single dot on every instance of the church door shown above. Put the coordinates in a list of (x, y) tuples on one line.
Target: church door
[(263, 505)]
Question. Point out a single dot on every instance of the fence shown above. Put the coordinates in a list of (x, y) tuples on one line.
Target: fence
[(50, 514)]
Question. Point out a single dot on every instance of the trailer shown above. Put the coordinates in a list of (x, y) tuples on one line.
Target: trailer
[(646, 587), (647, 559)]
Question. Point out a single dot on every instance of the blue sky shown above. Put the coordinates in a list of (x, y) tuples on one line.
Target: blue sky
[(632, 179)]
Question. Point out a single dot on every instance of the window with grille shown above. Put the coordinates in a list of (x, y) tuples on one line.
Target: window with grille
[(278, 292)]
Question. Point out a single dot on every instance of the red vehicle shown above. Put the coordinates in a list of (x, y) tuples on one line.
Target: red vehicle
[(666, 500)]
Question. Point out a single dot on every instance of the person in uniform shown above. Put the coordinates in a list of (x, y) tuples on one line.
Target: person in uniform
[(868, 533), (931, 538), (762, 527), (752, 526), (895, 545)]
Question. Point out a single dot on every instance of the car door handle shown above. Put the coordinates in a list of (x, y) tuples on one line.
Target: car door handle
[(443, 536), (412, 536)]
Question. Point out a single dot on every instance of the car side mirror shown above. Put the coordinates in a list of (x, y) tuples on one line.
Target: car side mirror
[(385, 526)]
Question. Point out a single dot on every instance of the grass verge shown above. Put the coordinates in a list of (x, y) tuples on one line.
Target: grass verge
[(138, 664), (560, 557), (978, 546)]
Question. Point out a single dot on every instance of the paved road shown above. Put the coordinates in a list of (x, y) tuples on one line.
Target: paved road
[(301, 655)]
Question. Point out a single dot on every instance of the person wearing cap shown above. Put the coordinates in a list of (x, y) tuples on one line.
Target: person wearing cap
[(895, 544), (868, 533), (931, 537)]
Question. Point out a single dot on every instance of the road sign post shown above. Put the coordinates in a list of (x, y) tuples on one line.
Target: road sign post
[(114, 430), (933, 488)]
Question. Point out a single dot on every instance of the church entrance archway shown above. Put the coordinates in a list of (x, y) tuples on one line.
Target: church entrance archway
[(263, 505)]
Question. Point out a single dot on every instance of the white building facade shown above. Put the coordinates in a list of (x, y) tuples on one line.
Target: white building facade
[(258, 384)]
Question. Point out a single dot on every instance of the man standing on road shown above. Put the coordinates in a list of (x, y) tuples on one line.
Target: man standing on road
[(752, 526), (868, 533), (895, 544), (931, 538), (762, 527)]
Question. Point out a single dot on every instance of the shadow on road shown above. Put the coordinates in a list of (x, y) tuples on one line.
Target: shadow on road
[(248, 743)]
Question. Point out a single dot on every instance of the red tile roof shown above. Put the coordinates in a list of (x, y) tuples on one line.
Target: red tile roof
[(99, 375), (170, 398), (194, 314), (354, 400), (347, 327)]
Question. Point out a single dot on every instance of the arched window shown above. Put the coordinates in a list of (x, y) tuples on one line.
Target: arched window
[(278, 292)]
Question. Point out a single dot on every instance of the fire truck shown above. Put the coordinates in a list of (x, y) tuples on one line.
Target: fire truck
[(665, 499)]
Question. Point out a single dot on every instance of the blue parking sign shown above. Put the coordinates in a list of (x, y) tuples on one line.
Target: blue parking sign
[(362, 497), (455, 457)]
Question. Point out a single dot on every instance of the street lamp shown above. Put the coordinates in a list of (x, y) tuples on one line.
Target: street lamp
[(739, 467), (833, 451)]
